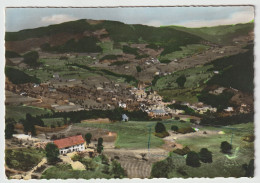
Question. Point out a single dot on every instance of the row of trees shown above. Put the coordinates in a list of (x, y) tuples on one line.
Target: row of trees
[(193, 159)]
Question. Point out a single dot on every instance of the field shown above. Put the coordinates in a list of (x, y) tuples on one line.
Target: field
[(185, 51), (223, 165), (19, 112), (53, 121), (195, 81), (133, 134)]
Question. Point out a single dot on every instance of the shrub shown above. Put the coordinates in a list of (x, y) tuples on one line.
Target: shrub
[(183, 151), (226, 147), (205, 155), (249, 138), (186, 130), (104, 159), (160, 169), (76, 157), (89, 164), (117, 170), (160, 130), (159, 127), (174, 128), (193, 159), (162, 135), (177, 118), (192, 120)]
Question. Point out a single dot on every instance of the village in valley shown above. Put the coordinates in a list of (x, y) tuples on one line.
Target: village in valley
[(104, 99)]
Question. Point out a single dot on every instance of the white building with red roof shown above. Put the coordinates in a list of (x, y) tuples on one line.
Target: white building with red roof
[(70, 144)]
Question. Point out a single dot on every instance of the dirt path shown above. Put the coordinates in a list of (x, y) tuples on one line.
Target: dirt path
[(75, 165), (29, 174)]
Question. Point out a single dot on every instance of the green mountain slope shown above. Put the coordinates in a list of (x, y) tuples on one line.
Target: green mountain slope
[(167, 38), (218, 34)]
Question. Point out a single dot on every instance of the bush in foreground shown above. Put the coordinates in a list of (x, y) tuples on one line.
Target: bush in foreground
[(193, 159), (117, 170), (225, 147), (205, 155)]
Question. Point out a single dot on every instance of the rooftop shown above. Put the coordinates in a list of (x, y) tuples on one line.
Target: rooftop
[(69, 141)]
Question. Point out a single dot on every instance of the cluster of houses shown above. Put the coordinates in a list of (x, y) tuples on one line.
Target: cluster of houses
[(151, 103)]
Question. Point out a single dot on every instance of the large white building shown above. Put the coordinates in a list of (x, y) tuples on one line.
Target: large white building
[(70, 144)]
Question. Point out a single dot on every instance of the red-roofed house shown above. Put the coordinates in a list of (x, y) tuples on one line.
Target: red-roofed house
[(70, 144)]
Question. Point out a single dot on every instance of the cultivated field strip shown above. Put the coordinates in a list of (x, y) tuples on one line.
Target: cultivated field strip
[(137, 169)]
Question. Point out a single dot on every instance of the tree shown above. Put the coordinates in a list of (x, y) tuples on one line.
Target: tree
[(117, 170), (88, 137), (181, 80), (159, 127), (100, 141), (99, 149), (174, 128), (250, 169), (9, 130), (28, 124), (31, 58), (193, 159), (226, 147), (52, 152), (160, 169), (205, 155), (138, 68)]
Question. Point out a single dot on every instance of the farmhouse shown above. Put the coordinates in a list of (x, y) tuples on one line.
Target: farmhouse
[(70, 144)]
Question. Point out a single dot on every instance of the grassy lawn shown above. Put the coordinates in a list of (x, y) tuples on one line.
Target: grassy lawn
[(221, 166), (19, 112), (64, 171), (23, 158), (134, 134)]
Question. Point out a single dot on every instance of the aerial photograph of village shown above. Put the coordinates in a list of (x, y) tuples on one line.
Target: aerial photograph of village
[(129, 92)]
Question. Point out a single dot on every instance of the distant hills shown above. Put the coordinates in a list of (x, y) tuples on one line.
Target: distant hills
[(66, 34), (223, 34)]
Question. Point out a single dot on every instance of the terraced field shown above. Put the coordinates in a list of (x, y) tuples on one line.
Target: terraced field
[(137, 169)]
